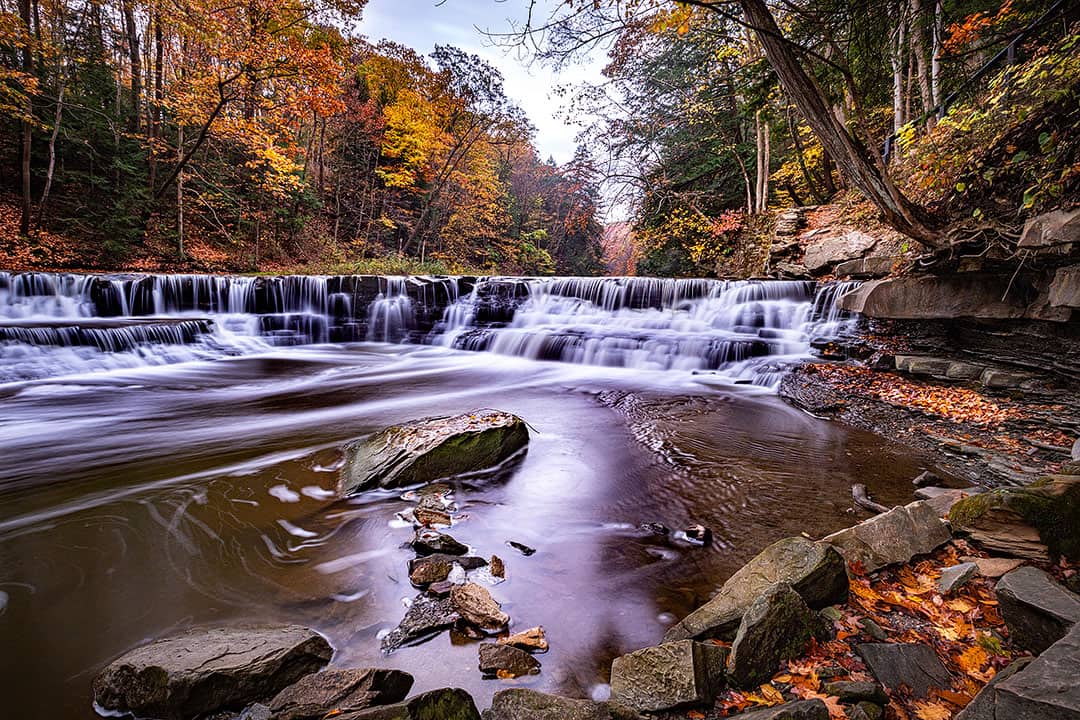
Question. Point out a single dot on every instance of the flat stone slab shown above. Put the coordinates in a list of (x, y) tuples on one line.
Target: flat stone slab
[(208, 669), (524, 704), (892, 537), (815, 570), (897, 664), (343, 690), (1047, 688), (1037, 609), (672, 675), (994, 568)]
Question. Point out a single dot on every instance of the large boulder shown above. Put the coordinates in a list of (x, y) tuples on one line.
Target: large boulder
[(892, 537), (938, 297), (208, 669), (815, 570), (837, 249), (524, 704), (898, 664), (445, 704), (776, 627), (1032, 522), (315, 696), (1047, 688), (984, 706), (1038, 610), (431, 449), (673, 675)]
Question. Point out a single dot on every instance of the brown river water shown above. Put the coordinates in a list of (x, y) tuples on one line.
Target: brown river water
[(139, 501)]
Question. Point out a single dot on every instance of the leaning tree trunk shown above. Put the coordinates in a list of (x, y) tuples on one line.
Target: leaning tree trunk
[(850, 155), (27, 125)]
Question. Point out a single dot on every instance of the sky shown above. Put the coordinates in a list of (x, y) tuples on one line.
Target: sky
[(422, 24)]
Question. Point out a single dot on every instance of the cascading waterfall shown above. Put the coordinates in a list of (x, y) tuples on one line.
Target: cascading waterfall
[(745, 330)]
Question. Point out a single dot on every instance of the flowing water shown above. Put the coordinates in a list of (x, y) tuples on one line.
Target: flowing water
[(170, 449)]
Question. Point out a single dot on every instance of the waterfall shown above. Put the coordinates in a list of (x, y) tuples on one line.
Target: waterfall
[(745, 330)]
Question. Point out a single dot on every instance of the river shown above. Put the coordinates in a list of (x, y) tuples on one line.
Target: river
[(171, 446)]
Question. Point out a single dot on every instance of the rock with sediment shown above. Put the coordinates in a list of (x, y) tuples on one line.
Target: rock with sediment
[(1037, 609), (204, 670), (476, 606), (525, 704), (505, 661), (343, 690), (432, 449), (445, 704), (815, 570), (892, 537), (914, 665), (672, 675), (425, 618), (776, 627)]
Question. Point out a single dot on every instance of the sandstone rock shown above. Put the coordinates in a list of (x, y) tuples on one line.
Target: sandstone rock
[(994, 568), (430, 542), (802, 710), (776, 627), (851, 692), (1076, 450), (791, 270), (837, 249), (945, 297), (505, 661), (532, 640), (984, 705), (446, 704), (1045, 689), (1059, 227), (897, 664), (964, 371), (929, 367), (312, 697), (1065, 288), (523, 704), (892, 537), (1001, 380), (954, 577), (874, 266), (672, 675), (424, 618), (203, 670), (1032, 522), (476, 606), (815, 570), (1038, 610), (432, 449)]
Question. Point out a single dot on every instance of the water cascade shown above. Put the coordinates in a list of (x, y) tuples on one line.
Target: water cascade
[(746, 330)]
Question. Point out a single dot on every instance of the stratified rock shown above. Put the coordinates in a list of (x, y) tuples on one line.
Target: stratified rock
[(1076, 450), (1058, 227), (314, 696), (802, 710), (432, 449), (1038, 610), (892, 537), (853, 692), (897, 664), (937, 297), (532, 640), (956, 576), (505, 661), (672, 675), (524, 704), (430, 542), (776, 627), (1047, 688), (874, 266), (1002, 380), (424, 618), (446, 704), (203, 670), (475, 604), (815, 570), (984, 705), (1065, 288), (1031, 522), (834, 250)]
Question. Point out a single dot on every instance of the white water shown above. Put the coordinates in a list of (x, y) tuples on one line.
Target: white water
[(747, 331)]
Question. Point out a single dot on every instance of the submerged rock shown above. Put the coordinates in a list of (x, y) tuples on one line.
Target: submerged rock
[(672, 675), (430, 542), (524, 704), (505, 661), (432, 449), (814, 570), (424, 618), (204, 670), (314, 696), (776, 627), (521, 548), (475, 604), (1038, 610), (892, 537)]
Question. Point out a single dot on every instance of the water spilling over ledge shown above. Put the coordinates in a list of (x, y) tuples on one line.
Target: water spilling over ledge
[(54, 324)]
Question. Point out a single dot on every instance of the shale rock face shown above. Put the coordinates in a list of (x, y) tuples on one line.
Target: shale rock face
[(204, 670), (814, 570), (432, 449)]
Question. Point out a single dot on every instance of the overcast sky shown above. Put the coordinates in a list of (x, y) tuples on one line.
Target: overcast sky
[(422, 24)]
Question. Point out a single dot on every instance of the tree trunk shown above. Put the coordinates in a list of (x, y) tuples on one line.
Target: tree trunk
[(896, 60), (159, 96), (135, 57), (27, 125), (180, 191), (935, 54), (57, 116), (918, 47), (851, 156)]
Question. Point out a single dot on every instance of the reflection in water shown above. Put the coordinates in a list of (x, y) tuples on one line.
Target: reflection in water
[(137, 502)]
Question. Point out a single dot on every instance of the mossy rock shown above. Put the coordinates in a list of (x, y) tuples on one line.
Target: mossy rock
[(426, 450), (1017, 520)]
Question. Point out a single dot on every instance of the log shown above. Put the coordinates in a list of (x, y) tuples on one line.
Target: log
[(862, 499)]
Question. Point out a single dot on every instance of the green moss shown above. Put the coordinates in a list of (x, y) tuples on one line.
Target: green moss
[(965, 512), (1051, 505)]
